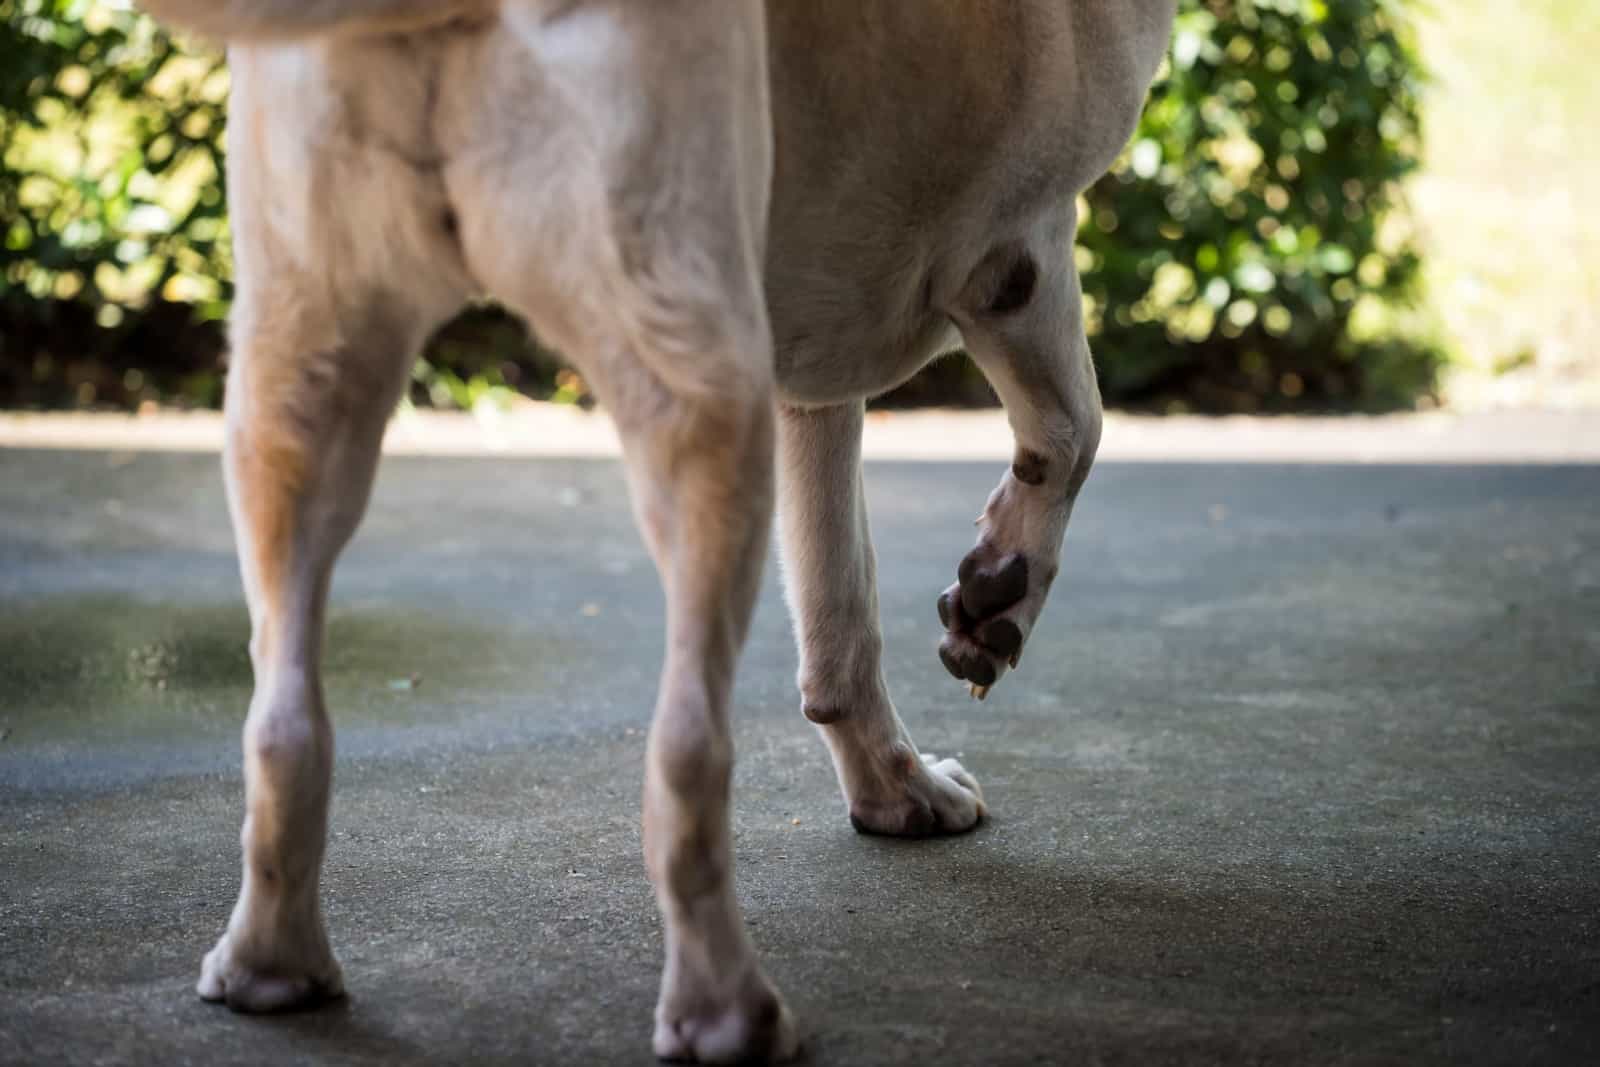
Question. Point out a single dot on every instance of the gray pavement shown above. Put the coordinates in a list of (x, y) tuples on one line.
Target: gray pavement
[(1301, 766)]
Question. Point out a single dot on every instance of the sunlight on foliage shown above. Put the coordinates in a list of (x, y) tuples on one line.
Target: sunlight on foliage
[(1249, 231)]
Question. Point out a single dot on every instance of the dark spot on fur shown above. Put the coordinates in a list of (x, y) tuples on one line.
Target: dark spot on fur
[(1017, 288), (822, 716), (1029, 468), (448, 222)]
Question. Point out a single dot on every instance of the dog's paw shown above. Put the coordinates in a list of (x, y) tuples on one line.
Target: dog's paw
[(988, 613), (253, 988), (754, 1027), (934, 796)]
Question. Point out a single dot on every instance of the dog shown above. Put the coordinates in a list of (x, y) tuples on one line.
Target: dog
[(738, 220)]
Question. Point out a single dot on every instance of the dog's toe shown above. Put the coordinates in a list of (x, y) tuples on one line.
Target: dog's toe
[(935, 796), (969, 661)]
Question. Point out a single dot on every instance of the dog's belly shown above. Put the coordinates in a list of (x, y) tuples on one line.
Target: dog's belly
[(879, 153), (847, 337), (911, 140)]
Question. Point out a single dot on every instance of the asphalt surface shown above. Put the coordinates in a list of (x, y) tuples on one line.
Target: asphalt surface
[(1301, 766)]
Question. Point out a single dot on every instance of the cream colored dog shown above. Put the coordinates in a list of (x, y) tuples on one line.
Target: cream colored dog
[(738, 220)]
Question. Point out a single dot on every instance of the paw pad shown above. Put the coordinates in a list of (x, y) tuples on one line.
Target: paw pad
[(983, 638)]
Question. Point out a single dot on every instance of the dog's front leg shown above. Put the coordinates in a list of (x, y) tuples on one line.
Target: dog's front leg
[(829, 574), (1022, 318)]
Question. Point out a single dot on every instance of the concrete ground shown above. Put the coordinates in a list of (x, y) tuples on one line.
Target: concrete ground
[(1301, 766)]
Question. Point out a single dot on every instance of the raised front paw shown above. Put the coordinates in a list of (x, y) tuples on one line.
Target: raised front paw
[(988, 613)]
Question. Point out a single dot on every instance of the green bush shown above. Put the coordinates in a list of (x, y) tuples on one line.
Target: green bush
[(1244, 254), (114, 231)]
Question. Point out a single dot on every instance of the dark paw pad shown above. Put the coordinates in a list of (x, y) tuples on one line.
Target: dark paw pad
[(988, 589), (951, 614), (965, 660), (1003, 637), (984, 635)]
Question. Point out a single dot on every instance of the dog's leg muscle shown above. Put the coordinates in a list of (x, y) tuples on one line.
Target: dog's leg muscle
[(829, 575), (1022, 318)]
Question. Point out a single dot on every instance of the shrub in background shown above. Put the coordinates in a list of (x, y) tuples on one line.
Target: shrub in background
[(1244, 254), (112, 225)]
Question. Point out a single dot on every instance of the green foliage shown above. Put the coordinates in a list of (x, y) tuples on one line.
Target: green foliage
[(110, 198), (1244, 254)]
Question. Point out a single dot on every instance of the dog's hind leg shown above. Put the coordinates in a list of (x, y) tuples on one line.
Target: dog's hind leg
[(308, 395), (829, 575), (701, 473), (642, 261), (342, 268), (1022, 318)]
